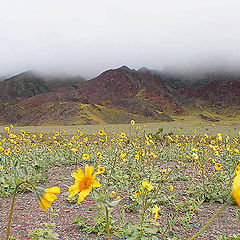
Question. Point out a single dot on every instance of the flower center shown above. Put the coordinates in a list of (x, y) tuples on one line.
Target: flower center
[(85, 183)]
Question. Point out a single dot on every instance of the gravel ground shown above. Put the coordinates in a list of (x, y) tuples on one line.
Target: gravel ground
[(28, 215)]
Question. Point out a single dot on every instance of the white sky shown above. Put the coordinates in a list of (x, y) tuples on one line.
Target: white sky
[(90, 36)]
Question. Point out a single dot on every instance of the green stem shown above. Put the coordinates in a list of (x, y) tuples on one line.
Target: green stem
[(112, 167), (160, 187), (107, 221), (144, 203), (11, 212), (209, 222)]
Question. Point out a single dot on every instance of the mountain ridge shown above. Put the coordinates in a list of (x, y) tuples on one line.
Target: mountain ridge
[(117, 96)]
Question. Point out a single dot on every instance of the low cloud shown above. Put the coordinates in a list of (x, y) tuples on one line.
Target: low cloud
[(87, 38)]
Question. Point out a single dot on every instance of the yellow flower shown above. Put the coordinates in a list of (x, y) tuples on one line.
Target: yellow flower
[(236, 189), (100, 132), (156, 210), (132, 122), (238, 169), (136, 175), (123, 135), (48, 197), (138, 192), (117, 198), (195, 156), (171, 188), (216, 153), (170, 138), (137, 156), (236, 150), (1, 168), (17, 150), (113, 194), (212, 142), (218, 166), (123, 156), (219, 137), (74, 150), (85, 156), (7, 151), (83, 183), (99, 155), (101, 169), (194, 149), (147, 185)]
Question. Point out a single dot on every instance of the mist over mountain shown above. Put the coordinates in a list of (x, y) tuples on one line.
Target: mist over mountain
[(118, 95)]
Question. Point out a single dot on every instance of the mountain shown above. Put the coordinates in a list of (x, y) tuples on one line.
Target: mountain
[(117, 96)]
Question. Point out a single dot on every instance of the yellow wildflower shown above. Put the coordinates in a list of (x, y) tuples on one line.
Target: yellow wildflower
[(85, 156), (236, 189), (101, 169), (218, 166), (17, 150), (170, 138), (123, 135), (238, 169), (83, 183), (113, 194), (216, 153), (195, 156), (100, 132), (219, 137), (147, 185), (236, 150), (7, 151), (48, 197), (74, 150), (156, 210), (137, 193)]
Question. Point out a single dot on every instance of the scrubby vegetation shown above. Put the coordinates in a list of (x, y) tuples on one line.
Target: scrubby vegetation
[(163, 179)]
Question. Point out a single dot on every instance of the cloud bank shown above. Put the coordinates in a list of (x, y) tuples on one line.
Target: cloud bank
[(87, 37)]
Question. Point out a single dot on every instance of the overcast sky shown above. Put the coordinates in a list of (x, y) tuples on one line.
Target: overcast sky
[(90, 36)]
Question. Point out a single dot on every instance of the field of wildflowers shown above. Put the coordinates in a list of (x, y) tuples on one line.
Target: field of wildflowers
[(138, 185)]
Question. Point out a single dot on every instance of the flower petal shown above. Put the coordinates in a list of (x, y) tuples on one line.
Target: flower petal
[(88, 170), (45, 202), (96, 184), (73, 190), (83, 194), (236, 189), (55, 190), (42, 206), (79, 174), (50, 197)]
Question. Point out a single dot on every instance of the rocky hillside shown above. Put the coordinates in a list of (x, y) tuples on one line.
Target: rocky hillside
[(117, 96)]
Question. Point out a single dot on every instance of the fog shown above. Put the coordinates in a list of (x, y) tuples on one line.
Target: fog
[(87, 37)]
